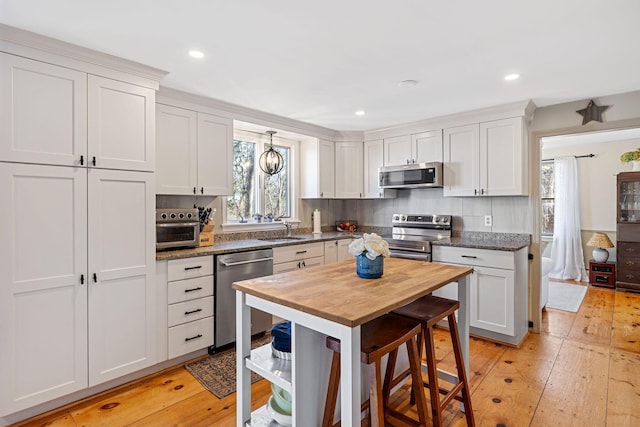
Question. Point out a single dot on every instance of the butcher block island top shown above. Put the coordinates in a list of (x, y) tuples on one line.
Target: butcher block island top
[(334, 291)]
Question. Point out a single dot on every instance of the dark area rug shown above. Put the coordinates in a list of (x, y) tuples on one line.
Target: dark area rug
[(217, 372)]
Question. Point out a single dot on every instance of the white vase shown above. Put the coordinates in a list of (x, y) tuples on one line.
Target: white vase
[(635, 165)]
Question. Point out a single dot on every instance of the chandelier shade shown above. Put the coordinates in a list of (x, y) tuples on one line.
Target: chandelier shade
[(271, 162)]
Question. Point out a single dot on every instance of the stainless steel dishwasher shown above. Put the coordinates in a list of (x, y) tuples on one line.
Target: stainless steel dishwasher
[(234, 268)]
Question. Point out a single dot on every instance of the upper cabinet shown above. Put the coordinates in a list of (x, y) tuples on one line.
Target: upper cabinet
[(486, 159), (422, 147), (59, 116), (319, 169), (193, 151), (374, 160), (349, 170)]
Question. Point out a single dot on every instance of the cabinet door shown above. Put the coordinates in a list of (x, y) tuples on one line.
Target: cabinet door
[(427, 146), (176, 150), (43, 302), (215, 155), (503, 166), (349, 173), (397, 150), (312, 262), (373, 160), (122, 289), (285, 267), (492, 300), (43, 112), (121, 133), (461, 161), (343, 249), (326, 169), (330, 251)]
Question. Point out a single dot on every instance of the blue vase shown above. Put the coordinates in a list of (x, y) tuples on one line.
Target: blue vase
[(369, 269)]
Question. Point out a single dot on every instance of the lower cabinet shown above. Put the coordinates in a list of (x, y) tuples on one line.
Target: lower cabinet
[(295, 257), (77, 268), (336, 250), (499, 290), (190, 305)]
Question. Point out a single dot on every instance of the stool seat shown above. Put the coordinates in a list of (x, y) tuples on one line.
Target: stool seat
[(379, 337), (429, 310)]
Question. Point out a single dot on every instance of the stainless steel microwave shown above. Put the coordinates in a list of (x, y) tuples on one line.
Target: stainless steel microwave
[(414, 175)]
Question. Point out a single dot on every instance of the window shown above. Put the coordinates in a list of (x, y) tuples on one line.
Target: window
[(547, 182), (255, 192)]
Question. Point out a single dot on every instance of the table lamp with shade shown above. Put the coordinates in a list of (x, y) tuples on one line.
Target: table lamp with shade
[(600, 241)]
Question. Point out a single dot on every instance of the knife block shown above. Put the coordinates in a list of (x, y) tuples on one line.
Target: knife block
[(206, 235)]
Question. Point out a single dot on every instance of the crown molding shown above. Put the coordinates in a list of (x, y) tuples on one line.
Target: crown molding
[(514, 109), (36, 46), (217, 107)]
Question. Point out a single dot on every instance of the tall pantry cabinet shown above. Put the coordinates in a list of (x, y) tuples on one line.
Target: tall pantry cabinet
[(77, 255)]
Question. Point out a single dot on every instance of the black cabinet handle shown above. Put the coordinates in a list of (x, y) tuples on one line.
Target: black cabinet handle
[(469, 256), (193, 289), (201, 190), (81, 160), (193, 338), (192, 311), (93, 160), (192, 268), (82, 279), (475, 191), (95, 278), (301, 252), (304, 264), (298, 264), (194, 190)]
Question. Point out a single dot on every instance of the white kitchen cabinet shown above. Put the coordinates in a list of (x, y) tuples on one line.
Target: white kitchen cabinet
[(421, 147), (294, 257), (374, 160), (190, 291), (61, 116), (349, 170), (43, 112), (78, 268), (194, 152), (336, 250), (121, 125), (318, 163), (486, 159), (499, 290)]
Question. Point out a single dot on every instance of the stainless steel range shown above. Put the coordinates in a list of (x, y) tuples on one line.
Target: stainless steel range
[(412, 234)]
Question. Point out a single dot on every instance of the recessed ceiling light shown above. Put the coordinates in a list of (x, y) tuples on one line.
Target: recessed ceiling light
[(196, 54), (408, 83), (360, 113), (510, 77)]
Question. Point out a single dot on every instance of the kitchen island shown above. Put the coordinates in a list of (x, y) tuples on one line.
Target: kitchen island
[(329, 300)]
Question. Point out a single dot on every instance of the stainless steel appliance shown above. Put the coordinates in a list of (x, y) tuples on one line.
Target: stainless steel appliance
[(412, 235), (413, 175), (177, 228), (234, 268)]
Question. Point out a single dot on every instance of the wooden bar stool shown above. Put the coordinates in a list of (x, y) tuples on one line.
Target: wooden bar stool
[(429, 310), (380, 336)]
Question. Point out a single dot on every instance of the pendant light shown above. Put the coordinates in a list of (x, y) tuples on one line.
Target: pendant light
[(271, 162)]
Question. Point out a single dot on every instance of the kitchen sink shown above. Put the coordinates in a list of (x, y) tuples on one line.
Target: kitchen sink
[(281, 239)]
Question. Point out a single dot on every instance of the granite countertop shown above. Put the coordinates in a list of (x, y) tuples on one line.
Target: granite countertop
[(232, 246), (492, 241)]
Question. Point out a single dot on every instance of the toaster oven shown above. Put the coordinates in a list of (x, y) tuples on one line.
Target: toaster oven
[(177, 228)]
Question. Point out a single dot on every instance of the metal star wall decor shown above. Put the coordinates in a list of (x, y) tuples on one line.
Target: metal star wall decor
[(592, 112)]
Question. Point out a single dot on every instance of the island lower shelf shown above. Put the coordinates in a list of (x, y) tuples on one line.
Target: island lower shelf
[(273, 369)]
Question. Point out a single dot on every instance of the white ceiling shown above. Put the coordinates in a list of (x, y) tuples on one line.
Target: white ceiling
[(320, 61)]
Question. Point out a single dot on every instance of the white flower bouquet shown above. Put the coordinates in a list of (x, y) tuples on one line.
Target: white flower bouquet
[(371, 245)]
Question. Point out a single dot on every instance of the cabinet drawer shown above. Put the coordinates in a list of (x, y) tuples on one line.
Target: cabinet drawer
[(179, 269), (185, 290), (475, 257), (190, 337), (297, 252), (189, 311)]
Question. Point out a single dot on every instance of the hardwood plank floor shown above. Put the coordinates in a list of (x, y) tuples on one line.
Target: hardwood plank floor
[(582, 370)]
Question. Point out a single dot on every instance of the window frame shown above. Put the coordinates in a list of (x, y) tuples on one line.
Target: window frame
[(262, 143)]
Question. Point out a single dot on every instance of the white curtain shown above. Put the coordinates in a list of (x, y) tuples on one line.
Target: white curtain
[(566, 253)]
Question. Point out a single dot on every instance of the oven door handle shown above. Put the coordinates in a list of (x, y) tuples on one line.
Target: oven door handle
[(421, 256), (177, 224), (251, 261)]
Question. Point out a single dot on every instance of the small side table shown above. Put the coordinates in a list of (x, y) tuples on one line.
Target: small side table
[(602, 274)]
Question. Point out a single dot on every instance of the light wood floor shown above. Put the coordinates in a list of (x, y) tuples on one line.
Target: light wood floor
[(582, 370)]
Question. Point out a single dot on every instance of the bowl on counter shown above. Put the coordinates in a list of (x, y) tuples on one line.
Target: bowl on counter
[(282, 399), (277, 413)]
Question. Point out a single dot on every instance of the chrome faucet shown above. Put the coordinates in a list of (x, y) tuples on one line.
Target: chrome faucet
[(288, 227)]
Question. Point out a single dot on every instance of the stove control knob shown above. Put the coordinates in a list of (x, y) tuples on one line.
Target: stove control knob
[(445, 220), (181, 215), (436, 219), (173, 216), (396, 217), (163, 216), (403, 218), (189, 215)]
